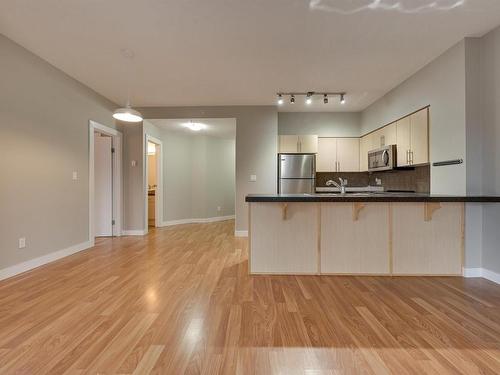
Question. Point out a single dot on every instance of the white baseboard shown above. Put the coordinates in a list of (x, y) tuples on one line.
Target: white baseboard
[(241, 233), (200, 220), (40, 261), (134, 232), (482, 272)]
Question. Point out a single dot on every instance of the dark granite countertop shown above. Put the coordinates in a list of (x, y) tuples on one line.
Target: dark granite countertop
[(368, 197)]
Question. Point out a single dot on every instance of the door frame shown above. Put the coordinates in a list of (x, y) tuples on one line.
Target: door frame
[(116, 142), (159, 181)]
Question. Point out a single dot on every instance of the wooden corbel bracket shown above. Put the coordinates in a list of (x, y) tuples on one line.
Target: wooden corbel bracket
[(356, 208), (285, 210), (429, 209)]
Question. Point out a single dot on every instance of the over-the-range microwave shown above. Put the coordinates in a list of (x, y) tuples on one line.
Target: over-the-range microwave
[(382, 159)]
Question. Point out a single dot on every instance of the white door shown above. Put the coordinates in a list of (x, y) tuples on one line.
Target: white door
[(103, 189)]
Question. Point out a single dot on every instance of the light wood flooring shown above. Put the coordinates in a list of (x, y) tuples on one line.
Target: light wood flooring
[(180, 301)]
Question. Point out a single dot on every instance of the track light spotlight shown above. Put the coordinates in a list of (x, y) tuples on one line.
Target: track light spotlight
[(325, 99), (309, 98), (280, 99), (342, 99), (292, 99)]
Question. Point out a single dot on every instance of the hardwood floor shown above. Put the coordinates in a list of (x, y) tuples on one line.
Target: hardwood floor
[(180, 301)]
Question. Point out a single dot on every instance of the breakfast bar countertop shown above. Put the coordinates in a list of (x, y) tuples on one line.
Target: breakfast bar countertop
[(371, 197)]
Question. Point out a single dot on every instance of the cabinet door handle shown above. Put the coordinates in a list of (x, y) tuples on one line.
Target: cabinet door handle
[(411, 157), (407, 156), (338, 166)]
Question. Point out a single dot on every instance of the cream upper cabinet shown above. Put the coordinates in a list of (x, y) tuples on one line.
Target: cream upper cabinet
[(366, 144), (364, 147), (308, 144), (412, 133), (298, 144), (403, 132), (289, 143), (327, 155), (388, 135), (338, 155), (348, 154), (419, 137)]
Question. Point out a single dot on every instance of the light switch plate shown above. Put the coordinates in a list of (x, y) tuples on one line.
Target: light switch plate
[(133, 163), (22, 242), (253, 177), (75, 175)]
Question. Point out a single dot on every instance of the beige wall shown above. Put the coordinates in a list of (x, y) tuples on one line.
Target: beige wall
[(490, 146), (323, 124), (256, 146), (44, 129), (440, 84)]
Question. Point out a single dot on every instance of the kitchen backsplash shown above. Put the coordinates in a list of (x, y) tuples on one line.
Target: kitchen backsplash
[(416, 179)]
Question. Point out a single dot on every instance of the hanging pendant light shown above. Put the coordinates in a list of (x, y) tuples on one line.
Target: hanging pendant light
[(127, 113)]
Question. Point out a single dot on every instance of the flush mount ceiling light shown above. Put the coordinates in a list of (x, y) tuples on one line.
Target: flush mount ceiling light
[(194, 126), (309, 96), (127, 113)]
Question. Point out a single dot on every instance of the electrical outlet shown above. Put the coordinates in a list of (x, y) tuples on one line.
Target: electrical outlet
[(253, 177), (22, 242), (219, 208), (75, 175), (133, 163)]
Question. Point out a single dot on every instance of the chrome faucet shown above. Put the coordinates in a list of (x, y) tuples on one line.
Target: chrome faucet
[(341, 186)]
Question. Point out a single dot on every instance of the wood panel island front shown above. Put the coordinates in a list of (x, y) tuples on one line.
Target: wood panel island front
[(358, 234)]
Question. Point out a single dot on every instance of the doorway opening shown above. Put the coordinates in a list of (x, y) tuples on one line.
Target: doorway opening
[(105, 186), (153, 182)]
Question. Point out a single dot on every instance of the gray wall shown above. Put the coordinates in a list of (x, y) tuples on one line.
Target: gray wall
[(256, 146), (440, 84), (324, 124), (198, 174), (44, 126), (490, 109), (133, 188)]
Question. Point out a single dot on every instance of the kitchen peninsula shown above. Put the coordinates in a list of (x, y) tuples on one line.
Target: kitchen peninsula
[(358, 233)]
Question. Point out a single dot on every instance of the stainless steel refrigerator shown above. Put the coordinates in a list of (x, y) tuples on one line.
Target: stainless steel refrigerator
[(296, 173)]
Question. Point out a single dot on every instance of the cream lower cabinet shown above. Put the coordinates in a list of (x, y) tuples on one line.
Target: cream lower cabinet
[(376, 238), (427, 246), (355, 238), (285, 238)]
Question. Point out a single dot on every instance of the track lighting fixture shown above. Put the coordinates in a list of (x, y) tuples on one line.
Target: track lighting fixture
[(280, 99), (309, 96)]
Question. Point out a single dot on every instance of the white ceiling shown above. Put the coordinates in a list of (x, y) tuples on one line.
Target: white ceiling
[(241, 52), (213, 127)]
